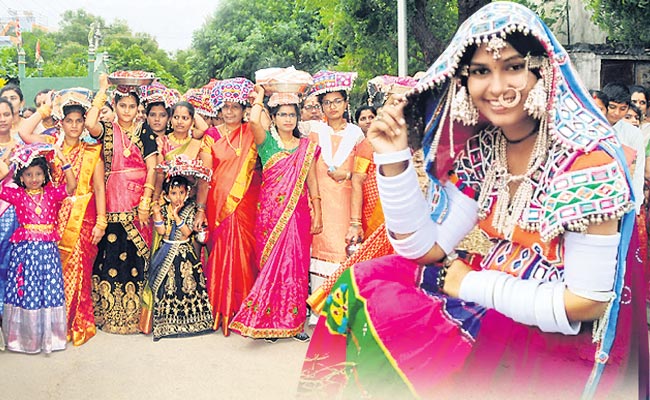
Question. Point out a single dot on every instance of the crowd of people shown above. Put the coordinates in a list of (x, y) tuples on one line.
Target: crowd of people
[(485, 223)]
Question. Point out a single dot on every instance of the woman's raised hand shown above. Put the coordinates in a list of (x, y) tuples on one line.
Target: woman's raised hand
[(103, 82), (388, 131)]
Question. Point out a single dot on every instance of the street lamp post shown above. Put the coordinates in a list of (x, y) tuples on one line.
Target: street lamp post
[(402, 44)]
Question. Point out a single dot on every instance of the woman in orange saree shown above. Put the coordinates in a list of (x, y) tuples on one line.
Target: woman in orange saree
[(228, 204), (82, 221)]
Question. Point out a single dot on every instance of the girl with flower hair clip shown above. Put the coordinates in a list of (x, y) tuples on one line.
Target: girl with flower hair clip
[(35, 313)]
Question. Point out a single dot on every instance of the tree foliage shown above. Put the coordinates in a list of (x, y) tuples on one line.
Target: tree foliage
[(244, 36), (8, 64), (65, 52), (625, 21)]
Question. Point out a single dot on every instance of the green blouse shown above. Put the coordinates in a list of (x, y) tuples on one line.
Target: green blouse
[(269, 148)]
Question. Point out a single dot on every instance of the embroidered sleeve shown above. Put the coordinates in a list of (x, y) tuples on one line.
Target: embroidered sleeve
[(592, 190), (149, 145), (100, 137)]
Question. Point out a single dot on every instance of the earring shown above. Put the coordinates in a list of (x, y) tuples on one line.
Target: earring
[(536, 101), (462, 107)]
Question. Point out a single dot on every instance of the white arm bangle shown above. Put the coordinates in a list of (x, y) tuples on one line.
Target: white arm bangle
[(462, 216), (526, 301), (590, 264), (405, 209), (392, 157), (417, 244)]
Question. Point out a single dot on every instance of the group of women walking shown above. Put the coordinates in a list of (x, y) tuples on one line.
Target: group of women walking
[(187, 228)]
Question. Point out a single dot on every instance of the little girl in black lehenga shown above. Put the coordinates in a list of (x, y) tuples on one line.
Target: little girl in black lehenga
[(180, 305)]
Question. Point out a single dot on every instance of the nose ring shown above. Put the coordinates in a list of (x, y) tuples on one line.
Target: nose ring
[(510, 103)]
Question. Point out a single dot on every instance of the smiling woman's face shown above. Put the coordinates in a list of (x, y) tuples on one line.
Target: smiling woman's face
[(490, 78)]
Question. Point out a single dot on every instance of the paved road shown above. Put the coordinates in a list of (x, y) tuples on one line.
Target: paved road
[(134, 367)]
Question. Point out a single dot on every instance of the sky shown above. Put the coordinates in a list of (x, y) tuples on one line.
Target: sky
[(171, 22)]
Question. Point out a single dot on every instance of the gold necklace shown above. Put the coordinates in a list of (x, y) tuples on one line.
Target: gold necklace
[(177, 141), (289, 144), (127, 133), (237, 150), (35, 192)]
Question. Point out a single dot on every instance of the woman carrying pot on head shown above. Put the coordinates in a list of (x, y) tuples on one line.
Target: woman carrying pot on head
[(275, 307), (228, 203), (129, 163)]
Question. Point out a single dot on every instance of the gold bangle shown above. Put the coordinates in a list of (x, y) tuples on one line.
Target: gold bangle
[(258, 103), (150, 186), (99, 100), (45, 110), (355, 223), (101, 225), (145, 204), (316, 198)]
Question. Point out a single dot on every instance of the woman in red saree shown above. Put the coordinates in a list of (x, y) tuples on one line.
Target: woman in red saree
[(229, 203), (275, 307), (82, 221)]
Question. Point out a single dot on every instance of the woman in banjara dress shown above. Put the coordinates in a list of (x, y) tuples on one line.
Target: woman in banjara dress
[(557, 303)]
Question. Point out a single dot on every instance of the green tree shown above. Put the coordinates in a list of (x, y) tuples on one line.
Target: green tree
[(625, 21), (244, 36), (365, 32), (8, 64), (65, 51)]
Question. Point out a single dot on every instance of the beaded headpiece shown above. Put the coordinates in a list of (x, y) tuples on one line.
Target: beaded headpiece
[(332, 81), (380, 87), (69, 97), (235, 90), (580, 128), (280, 99), (156, 92), (24, 155)]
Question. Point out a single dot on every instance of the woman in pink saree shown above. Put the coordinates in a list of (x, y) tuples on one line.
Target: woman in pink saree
[(123, 253), (276, 306)]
